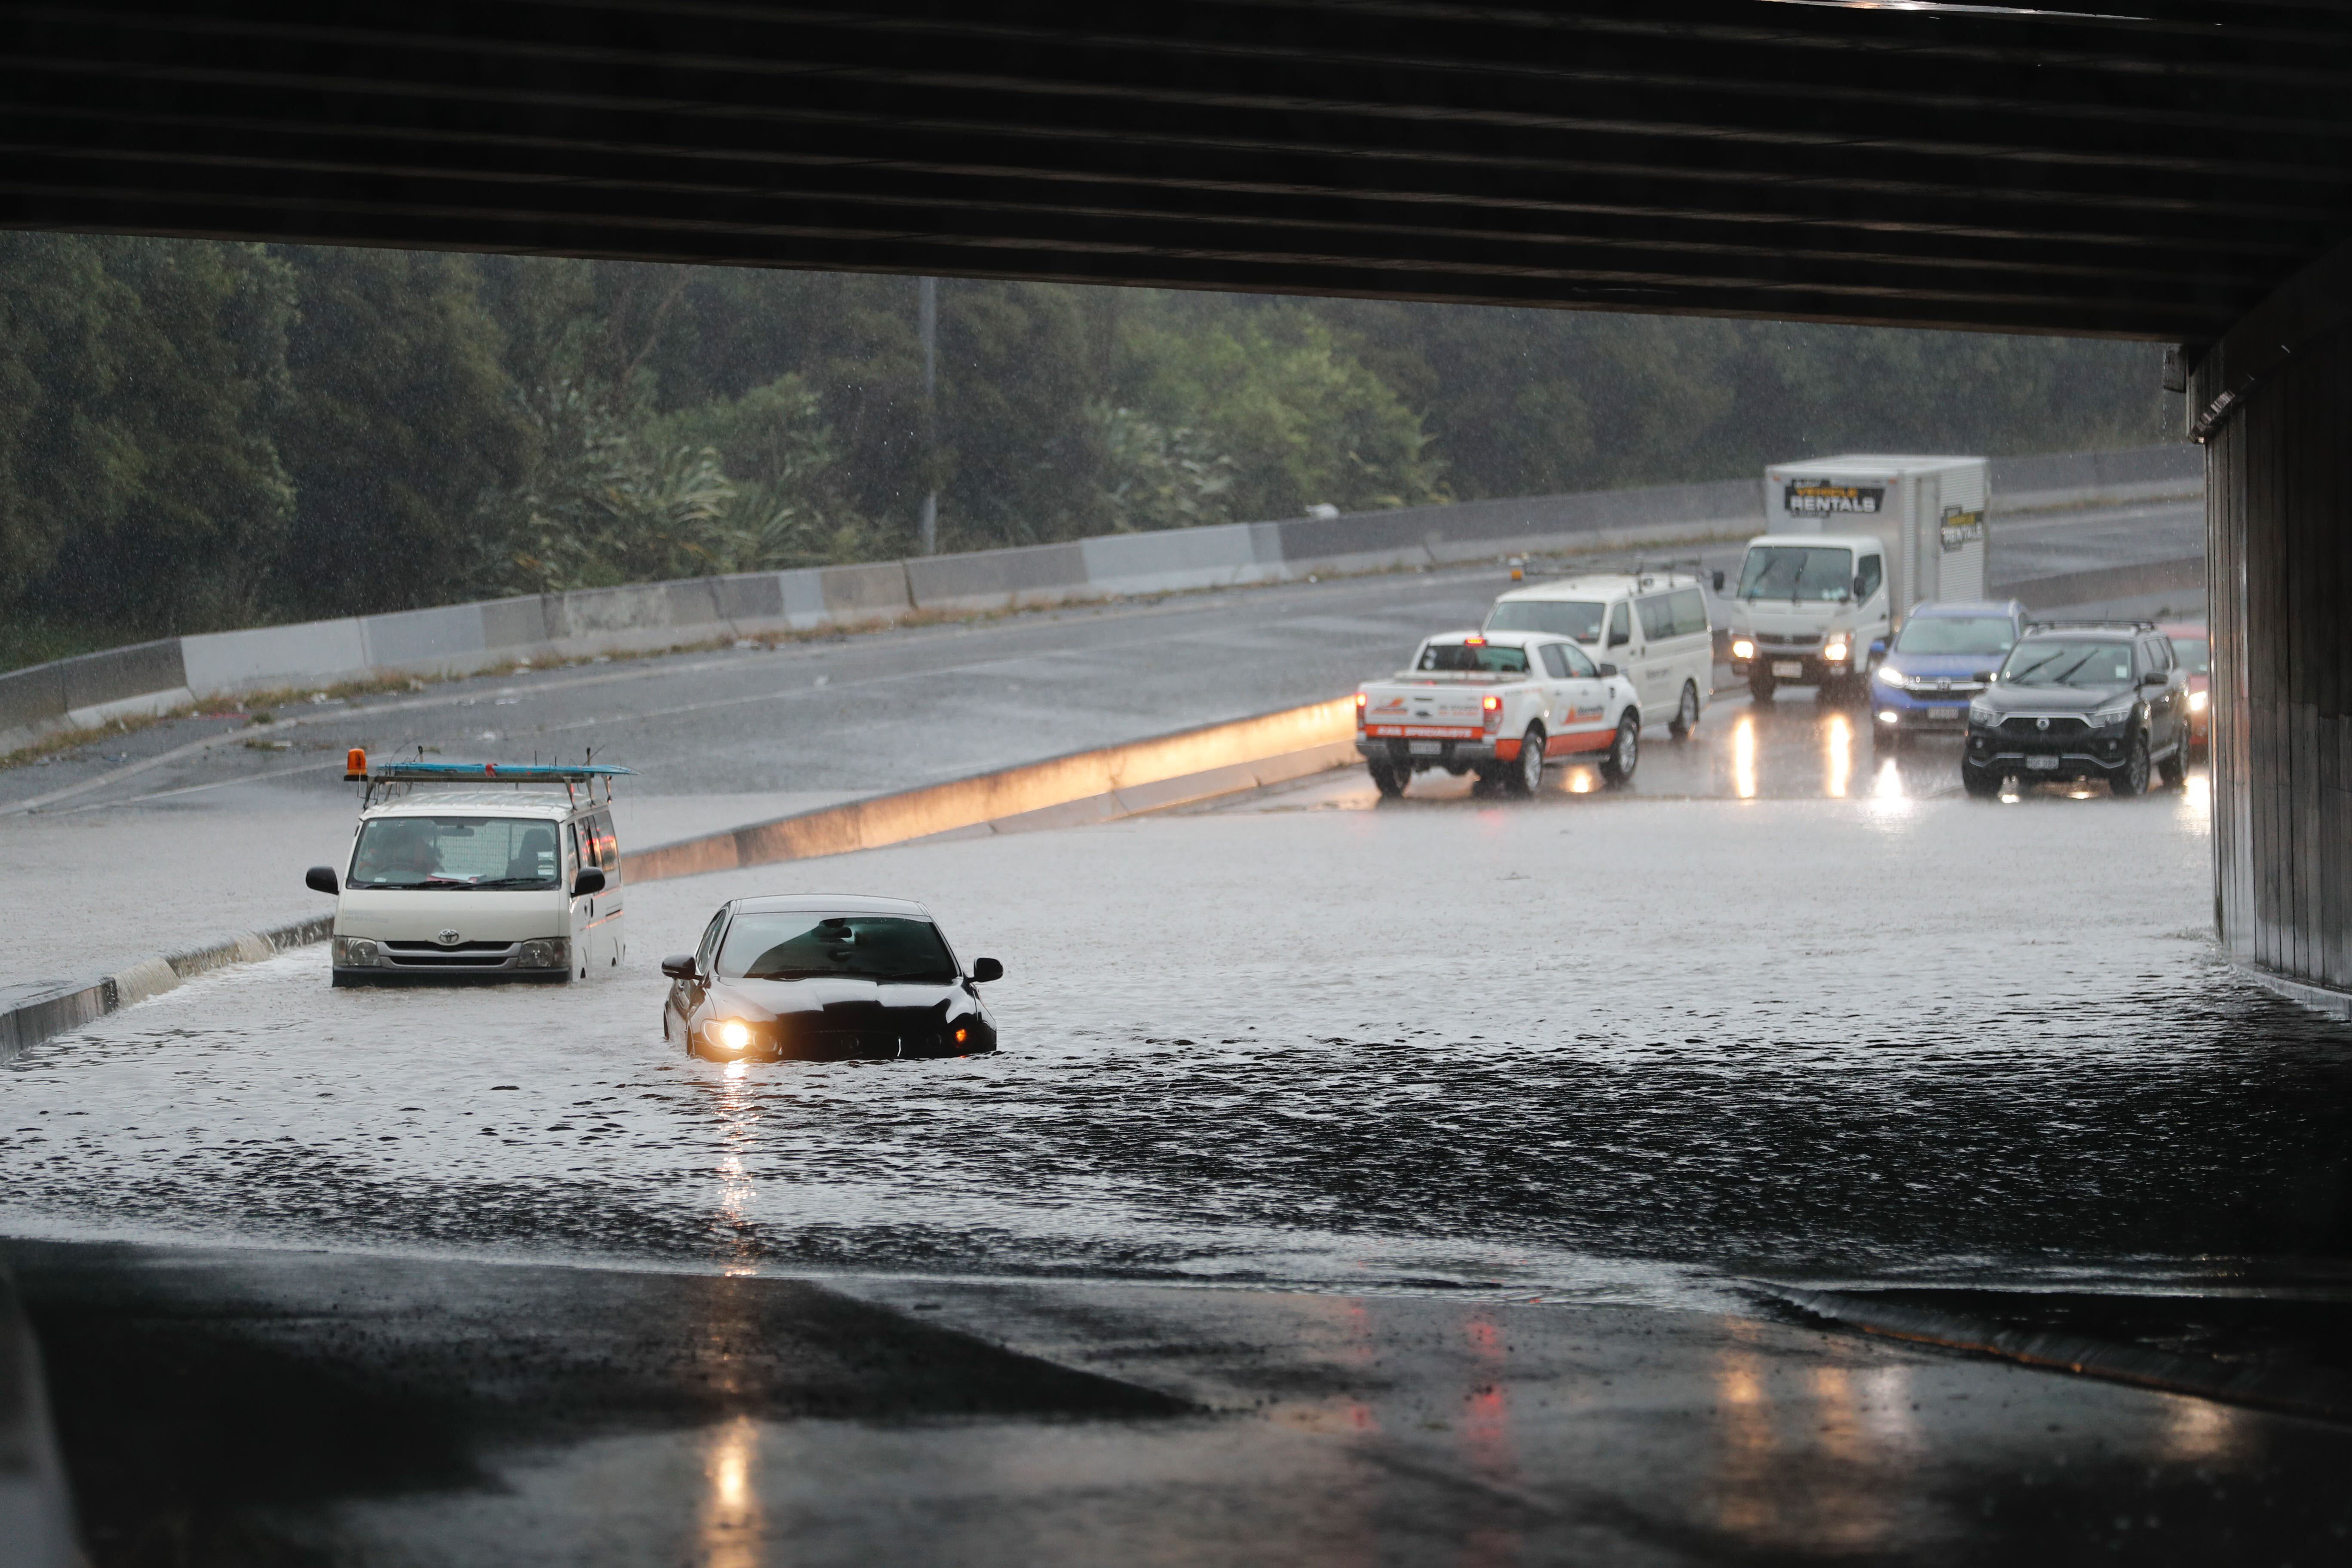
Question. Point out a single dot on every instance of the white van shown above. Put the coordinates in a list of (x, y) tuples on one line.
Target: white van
[(476, 871), (1651, 625)]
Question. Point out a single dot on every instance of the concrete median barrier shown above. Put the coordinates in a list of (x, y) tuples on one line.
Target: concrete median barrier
[(999, 579), (1084, 786)]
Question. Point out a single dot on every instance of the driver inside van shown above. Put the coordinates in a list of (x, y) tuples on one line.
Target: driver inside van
[(412, 857)]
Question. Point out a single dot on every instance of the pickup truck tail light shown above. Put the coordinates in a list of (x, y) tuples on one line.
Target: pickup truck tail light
[(1494, 707)]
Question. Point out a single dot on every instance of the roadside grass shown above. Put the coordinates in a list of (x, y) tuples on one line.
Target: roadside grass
[(29, 639)]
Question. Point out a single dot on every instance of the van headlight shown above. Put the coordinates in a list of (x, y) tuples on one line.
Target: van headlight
[(545, 952), (1834, 653), (1742, 647), (356, 952)]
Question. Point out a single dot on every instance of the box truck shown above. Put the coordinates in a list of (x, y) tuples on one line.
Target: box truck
[(1851, 543)]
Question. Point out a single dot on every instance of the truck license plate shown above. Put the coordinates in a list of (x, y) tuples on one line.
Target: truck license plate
[(1428, 748), (2041, 762), (1787, 669)]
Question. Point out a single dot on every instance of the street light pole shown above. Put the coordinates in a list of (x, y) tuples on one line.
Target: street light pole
[(928, 314)]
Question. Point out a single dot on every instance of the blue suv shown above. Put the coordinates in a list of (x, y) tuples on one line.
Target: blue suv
[(1945, 655)]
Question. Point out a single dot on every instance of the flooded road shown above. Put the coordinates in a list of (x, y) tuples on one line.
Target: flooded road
[(1589, 1048)]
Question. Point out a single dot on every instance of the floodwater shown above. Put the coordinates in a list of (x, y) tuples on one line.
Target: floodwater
[(1584, 1047)]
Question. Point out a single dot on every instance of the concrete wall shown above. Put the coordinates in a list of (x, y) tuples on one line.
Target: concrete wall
[(2274, 402), (458, 640)]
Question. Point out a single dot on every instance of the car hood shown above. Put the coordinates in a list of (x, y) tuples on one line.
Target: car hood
[(1953, 666), (766, 1000), (2009, 698)]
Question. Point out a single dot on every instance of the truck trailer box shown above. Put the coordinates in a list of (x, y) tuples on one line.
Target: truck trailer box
[(1929, 512)]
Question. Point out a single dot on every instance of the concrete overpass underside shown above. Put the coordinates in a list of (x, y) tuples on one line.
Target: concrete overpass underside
[(2181, 176)]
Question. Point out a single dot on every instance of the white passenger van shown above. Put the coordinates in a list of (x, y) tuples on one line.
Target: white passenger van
[(1651, 624), (476, 871)]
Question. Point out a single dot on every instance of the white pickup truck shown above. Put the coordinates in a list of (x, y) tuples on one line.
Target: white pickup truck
[(1499, 704)]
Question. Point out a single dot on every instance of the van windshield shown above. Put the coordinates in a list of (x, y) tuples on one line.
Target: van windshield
[(506, 853), (1578, 618), (1797, 571)]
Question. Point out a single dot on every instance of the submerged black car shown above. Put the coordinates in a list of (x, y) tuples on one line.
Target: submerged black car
[(2106, 701), (806, 978)]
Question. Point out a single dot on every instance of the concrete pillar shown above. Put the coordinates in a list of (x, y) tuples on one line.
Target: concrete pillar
[(2272, 403)]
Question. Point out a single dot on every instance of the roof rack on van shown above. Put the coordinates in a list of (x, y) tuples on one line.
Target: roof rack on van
[(357, 770), (2091, 625)]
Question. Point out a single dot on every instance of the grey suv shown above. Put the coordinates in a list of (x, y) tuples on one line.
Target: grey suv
[(2098, 700)]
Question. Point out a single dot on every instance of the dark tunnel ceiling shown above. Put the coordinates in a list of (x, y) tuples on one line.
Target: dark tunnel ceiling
[(2149, 178)]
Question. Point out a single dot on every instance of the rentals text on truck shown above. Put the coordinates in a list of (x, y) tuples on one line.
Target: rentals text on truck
[(1500, 704), (1855, 541)]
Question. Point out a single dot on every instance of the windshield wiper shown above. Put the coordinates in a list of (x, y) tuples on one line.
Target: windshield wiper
[(2059, 680), (515, 882)]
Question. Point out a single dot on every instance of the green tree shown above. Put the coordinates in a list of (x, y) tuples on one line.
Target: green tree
[(403, 417), (138, 484)]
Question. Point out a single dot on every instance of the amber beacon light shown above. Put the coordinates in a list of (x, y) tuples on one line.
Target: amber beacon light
[(355, 764)]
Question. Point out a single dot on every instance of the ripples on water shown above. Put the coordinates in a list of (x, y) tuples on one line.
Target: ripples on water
[(1570, 1123)]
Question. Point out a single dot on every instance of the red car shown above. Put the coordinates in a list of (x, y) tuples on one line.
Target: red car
[(2196, 656)]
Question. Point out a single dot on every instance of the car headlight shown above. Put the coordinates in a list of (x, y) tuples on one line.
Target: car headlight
[(2115, 713), (355, 952), (546, 952), (728, 1035), (2197, 701), (1741, 647), (1980, 715), (1833, 652), (1891, 675)]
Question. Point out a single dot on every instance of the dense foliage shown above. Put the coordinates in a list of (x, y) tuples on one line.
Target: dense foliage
[(199, 434)]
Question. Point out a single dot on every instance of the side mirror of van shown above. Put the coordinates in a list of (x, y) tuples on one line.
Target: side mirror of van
[(590, 880), (1718, 580), (679, 966), (986, 968), (1619, 639), (321, 879)]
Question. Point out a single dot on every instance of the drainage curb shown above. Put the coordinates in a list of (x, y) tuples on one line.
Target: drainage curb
[(32, 1022), (1060, 791), (2302, 1393)]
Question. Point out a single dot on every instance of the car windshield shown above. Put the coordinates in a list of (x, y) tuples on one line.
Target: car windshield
[(2194, 655), (505, 853), (1957, 633), (804, 946), (1797, 571), (1578, 618), (2068, 661), (1473, 658)]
